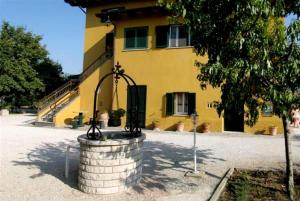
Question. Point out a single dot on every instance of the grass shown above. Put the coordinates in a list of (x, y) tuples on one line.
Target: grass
[(246, 185)]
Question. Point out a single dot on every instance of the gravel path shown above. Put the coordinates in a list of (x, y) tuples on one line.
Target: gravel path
[(32, 162)]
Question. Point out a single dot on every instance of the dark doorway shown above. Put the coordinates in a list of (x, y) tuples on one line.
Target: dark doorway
[(142, 92), (109, 42), (234, 120)]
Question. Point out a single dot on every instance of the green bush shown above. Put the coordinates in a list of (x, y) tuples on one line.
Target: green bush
[(240, 188), (117, 114)]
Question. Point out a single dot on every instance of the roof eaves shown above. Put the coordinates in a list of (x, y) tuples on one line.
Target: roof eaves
[(86, 3)]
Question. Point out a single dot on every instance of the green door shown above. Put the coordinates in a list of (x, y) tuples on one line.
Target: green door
[(142, 93)]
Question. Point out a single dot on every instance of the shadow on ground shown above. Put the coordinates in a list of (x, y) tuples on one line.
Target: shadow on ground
[(164, 165), (49, 158)]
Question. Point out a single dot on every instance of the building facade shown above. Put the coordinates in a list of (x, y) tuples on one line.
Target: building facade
[(160, 58)]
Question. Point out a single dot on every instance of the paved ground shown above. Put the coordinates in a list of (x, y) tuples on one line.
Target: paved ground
[(32, 162)]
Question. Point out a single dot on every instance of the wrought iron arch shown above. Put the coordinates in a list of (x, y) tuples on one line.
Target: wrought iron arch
[(133, 128)]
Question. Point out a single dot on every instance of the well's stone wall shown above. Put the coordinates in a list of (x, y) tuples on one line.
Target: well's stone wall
[(109, 166)]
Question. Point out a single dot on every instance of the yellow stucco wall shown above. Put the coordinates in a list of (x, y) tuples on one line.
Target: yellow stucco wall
[(162, 70), (263, 124), (87, 89), (65, 116)]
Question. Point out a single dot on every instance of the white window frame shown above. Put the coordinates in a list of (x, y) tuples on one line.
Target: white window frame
[(177, 37), (185, 99)]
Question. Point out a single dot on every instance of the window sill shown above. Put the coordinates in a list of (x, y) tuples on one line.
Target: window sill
[(183, 47), (180, 115), (266, 115), (137, 49)]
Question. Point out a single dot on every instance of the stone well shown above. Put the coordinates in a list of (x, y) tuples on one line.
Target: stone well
[(109, 166)]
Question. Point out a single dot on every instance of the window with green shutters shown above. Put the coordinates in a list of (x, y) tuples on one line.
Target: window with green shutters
[(136, 38), (180, 103)]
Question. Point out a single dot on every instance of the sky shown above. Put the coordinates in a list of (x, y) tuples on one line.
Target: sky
[(60, 25)]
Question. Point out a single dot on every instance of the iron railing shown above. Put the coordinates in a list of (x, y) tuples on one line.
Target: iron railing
[(56, 95), (52, 100), (95, 64)]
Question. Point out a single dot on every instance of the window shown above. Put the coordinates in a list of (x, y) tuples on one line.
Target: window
[(172, 36), (136, 38), (267, 110), (180, 103)]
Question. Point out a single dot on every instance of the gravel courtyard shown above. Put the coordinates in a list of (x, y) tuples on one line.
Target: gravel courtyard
[(32, 162)]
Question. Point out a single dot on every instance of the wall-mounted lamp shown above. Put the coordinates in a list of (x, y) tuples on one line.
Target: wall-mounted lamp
[(108, 21)]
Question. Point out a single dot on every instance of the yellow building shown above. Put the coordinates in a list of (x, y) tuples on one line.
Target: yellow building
[(157, 55)]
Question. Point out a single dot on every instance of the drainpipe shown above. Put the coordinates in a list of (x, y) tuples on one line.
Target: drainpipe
[(109, 22)]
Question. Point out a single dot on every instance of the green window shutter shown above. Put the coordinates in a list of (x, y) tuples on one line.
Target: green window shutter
[(141, 37), (192, 40), (162, 36), (182, 36), (136, 38), (169, 104), (129, 38), (191, 103)]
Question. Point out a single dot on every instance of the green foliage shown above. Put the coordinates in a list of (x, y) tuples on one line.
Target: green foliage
[(51, 74), (253, 57), (240, 188), (25, 69), (19, 51), (117, 114)]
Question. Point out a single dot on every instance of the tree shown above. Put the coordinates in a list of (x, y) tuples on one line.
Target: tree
[(51, 74), (26, 72), (253, 58)]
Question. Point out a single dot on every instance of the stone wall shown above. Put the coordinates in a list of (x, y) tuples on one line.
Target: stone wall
[(109, 166)]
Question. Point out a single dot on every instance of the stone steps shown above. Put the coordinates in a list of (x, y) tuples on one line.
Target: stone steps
[(44, 124)]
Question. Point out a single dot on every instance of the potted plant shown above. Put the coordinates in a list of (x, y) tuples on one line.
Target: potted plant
[(156, 125), (205, 127), (115, 117), (273, 130), (180, 126)]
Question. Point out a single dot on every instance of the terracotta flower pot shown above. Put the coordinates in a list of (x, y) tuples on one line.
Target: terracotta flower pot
[(273, 130), (180, 127), (156, 126), (104, 115), (205, 127)]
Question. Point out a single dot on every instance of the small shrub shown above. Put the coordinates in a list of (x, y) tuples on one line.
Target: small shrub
[(240, 188)]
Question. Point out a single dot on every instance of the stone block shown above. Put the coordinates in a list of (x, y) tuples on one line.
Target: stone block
[(102, 191), (99, 177), (91, 183)]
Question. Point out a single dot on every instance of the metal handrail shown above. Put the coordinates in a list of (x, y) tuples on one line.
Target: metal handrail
[(56, 95), (98, 61), (73, 93), (60, 92)]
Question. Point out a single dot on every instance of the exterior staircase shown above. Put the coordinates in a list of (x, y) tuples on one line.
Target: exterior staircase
[(53, 103)]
